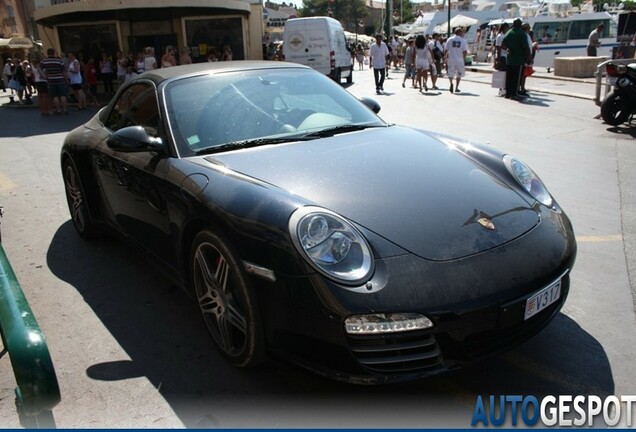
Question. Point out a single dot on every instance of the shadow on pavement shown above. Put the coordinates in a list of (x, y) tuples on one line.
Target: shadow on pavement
[(159, 328), (26, 121), (628, 129)]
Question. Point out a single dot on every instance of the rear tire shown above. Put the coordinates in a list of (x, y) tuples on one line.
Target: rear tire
[(226, 300), (350, 77), (615, 110)]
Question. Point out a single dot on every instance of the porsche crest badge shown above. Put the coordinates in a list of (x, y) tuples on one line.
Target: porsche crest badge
[(486, 223)]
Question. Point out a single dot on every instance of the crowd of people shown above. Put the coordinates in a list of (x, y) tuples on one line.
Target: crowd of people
[(430, 57), (55, 79), (421, 57)]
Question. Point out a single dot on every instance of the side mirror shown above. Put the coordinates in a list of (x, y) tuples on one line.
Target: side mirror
[(372, 104), (134, 139)]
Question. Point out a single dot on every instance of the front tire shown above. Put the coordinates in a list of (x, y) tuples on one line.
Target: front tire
[(76, 199), (226, 300), (615, 110)]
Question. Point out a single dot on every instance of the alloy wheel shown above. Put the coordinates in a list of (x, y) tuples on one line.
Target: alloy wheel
[(219, 301)]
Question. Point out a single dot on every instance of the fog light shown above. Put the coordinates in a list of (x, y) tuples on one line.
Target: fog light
[(386, 323)]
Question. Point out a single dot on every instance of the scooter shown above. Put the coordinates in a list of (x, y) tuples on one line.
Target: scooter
[(620, 104)]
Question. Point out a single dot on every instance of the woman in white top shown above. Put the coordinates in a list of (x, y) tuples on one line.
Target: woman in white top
[(75, 79), (150, 62), (423, 60)]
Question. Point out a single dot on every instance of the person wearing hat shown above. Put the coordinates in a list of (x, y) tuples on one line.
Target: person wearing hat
[(518, 54), (378, 55)]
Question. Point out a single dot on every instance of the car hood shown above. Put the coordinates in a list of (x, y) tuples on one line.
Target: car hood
[(400, 183)]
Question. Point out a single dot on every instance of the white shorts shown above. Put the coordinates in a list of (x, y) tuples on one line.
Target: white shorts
[(456, 69)]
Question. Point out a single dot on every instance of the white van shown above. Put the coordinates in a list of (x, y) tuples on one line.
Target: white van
[(318, 42)]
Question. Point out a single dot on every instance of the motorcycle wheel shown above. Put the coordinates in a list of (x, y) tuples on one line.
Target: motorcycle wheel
[(615, 109)]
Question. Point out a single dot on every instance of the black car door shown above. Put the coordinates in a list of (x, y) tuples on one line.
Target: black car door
[(133, 183)]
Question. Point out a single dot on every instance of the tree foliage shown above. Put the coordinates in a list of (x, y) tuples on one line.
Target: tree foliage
[(348, 12)]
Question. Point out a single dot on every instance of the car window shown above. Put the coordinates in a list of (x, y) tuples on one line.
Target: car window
[(136, 106), (212, 110)]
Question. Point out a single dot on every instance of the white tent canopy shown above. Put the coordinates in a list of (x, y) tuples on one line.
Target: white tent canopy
[(456, 21), (362, 38)]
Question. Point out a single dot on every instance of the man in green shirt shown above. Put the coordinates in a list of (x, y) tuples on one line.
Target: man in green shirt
[(516, 42)]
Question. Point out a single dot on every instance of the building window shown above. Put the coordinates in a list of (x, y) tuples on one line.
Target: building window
[(208, 37), (10, 21)]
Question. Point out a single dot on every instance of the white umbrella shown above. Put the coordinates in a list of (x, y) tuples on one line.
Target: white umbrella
[(456, 21), (463, 21)]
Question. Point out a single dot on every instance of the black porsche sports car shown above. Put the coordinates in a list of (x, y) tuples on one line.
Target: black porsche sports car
[(309, 229)]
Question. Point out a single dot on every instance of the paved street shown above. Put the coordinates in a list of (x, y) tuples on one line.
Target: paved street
[(131, 352)]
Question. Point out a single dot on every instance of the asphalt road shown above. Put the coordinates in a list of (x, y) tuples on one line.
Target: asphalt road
[(131, 352)]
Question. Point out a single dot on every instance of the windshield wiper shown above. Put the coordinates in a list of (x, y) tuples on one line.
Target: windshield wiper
[(331, 131), (241, 144)]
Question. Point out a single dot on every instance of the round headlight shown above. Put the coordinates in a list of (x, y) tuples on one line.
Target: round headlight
[(528, 180), (331, 244)]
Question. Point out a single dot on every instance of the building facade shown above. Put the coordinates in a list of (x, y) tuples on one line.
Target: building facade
[(15, 28), (96, 27)]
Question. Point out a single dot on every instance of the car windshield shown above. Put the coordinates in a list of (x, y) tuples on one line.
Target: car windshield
[(219, 112)]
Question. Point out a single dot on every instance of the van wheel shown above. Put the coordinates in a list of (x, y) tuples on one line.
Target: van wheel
[(350, 77), (338, 77)]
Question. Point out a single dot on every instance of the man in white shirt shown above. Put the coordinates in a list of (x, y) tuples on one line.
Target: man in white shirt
[(455, 52), (378, 54)]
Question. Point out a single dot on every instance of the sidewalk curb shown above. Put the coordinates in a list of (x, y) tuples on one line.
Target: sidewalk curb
[(487, 69)]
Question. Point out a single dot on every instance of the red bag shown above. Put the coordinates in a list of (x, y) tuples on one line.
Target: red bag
[(527, 71)]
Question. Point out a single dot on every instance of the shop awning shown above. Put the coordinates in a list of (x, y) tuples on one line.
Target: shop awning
[(16, 43)]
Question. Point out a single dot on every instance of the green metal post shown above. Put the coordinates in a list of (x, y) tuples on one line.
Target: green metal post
[(22, 338)]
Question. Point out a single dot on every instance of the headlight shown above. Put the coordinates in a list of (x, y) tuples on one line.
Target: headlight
[(386, 323), (331, 244), (528, 180)]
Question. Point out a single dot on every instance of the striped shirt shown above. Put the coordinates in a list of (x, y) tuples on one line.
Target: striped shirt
[(54, 69)]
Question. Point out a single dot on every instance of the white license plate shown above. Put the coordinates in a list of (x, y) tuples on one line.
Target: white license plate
[(542, 299)]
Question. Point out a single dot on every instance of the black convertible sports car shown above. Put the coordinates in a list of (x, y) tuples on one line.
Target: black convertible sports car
[(310, 230)]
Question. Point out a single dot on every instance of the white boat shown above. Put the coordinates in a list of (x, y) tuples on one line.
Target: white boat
[(566, 36)]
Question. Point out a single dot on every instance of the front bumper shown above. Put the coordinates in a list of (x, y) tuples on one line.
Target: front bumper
[(476, 303), (458, 339)]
